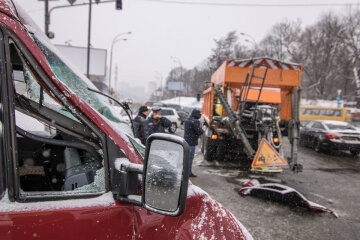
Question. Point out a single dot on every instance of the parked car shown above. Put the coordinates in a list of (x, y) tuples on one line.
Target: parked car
[(76, 175), (159, 104), (149, 103), (181, 112), (330, 135), (173, 116)]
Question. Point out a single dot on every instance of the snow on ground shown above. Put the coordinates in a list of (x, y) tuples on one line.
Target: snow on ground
[(189, 102), (328, 103)]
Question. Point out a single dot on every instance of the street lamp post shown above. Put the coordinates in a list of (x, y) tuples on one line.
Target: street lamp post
[(176, 59), (161, 86), (88, 44), (115, 40), (252, 39)]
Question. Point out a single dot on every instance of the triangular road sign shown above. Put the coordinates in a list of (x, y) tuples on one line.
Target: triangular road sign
[(267, 156)]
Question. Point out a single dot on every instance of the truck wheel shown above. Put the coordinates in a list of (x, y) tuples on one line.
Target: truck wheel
[(220, 153), (317, 145), (202, 143), (209, 152), (354, 153), (172, 128)]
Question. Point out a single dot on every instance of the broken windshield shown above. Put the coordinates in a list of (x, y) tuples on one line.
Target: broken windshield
[(79, 84)]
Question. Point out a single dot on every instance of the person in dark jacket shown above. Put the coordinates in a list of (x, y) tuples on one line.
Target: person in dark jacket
[(156, 123), (192, 132), (139, 122)]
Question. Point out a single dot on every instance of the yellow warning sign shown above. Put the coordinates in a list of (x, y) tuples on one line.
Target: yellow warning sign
[(267, 156)]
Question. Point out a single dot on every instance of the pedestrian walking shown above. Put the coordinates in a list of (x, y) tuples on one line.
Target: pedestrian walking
[(156, 123), (139, 124), (192, 132)]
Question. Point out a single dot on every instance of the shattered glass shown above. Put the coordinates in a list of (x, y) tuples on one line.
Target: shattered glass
[(79, 84)]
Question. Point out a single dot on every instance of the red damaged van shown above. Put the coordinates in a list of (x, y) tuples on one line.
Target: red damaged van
[(69, 166)]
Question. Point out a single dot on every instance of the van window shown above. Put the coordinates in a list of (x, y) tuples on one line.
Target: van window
[(323, 113), (2, 158), (318, 126), (79, 85), (56, 153), (166, 112)]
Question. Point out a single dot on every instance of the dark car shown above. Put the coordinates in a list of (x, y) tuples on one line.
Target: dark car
[(162, 175), (149, 103), (182, 113), (330, 135)]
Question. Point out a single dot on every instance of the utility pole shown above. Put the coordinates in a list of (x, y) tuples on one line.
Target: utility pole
[(88, 46), (116, 78), (46, 17), (118, 6)]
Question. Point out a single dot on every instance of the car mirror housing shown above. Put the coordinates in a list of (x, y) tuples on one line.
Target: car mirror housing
[(165, 176)]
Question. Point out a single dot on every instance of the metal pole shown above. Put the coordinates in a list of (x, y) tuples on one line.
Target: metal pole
[(111, 53), (161, 85), (88, 47), (46, 17), (116, 38)]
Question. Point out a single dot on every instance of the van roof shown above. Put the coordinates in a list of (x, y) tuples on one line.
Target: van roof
[(7, 7)]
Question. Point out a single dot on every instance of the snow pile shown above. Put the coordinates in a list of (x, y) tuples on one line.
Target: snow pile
[(326, 103), (190, 102), (320, 102)]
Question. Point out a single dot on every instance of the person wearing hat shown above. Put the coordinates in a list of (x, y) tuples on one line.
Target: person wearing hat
[(139, 122), (156, 123), (192, 132)]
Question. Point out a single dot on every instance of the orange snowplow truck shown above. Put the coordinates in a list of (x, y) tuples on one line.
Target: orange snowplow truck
[(250, 100)]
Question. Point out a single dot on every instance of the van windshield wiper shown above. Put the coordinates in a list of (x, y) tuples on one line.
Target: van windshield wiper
[(124, 106)]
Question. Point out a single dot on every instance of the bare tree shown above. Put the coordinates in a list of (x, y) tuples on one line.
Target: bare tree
[(319, 49), (224, 50), (283, 40), (352, 46)]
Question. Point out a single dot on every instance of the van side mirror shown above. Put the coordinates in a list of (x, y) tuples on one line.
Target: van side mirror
[(165, 176)]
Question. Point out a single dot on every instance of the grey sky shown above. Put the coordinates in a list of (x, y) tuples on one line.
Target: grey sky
[(161, 30)]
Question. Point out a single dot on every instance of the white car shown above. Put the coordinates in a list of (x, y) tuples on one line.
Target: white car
[(172, 115)]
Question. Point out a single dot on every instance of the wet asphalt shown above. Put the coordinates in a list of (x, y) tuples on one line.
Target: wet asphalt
[(331, 179)]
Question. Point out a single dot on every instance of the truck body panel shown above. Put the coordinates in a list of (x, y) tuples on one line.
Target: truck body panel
[(251, 89), (280, 75)]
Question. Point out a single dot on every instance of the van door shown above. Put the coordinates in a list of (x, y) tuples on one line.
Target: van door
[(56, 164)]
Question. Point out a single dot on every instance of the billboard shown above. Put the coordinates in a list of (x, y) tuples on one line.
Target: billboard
[(175, 86), (78, 57)]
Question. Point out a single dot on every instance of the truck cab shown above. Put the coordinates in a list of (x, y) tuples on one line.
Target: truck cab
[(70, 167)]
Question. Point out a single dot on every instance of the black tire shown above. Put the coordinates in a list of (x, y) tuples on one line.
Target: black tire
[(209, 153), (317, 145), (354, 153), (220, 153), (302, 142), (172, 128), (202, 138)]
